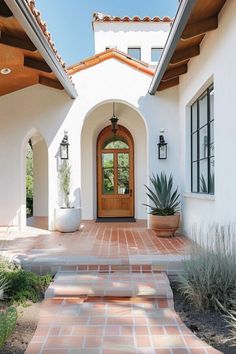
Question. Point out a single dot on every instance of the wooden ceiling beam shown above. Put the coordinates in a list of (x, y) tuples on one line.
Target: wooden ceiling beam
[(16, 42), (37, 64), (4, 10), (185, 54), (50, 83), (168, 84), (172, 73), (199, 28)]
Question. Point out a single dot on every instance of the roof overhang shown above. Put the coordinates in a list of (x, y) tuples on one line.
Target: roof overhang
[(193, 20), (42, 65)]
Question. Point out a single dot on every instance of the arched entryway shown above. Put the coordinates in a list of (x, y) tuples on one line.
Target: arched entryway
[(97, 119), (115, 174), (35, 181)]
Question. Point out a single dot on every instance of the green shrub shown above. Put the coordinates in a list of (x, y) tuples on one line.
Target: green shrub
[(21, 285), (8, 320), (209, 279)]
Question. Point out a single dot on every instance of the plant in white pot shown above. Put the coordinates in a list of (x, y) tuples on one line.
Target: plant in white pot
[(164, 218), (67, 218)]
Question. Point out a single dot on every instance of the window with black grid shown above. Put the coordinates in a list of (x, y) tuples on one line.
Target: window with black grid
[(202, 143)]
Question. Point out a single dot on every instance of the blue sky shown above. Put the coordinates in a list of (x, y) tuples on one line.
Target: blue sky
[(69, 21)]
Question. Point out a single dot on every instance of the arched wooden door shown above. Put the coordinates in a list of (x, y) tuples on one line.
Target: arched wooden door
[(115, 173)]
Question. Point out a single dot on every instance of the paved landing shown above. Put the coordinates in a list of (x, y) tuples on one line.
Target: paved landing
[(110, 284), (97, 244), (114, 323)]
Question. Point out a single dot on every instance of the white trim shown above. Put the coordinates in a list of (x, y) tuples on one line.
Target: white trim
[(201, 196)]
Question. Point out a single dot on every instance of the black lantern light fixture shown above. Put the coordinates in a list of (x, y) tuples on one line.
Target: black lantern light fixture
[(114, 121), (162, 148), (64, 147)]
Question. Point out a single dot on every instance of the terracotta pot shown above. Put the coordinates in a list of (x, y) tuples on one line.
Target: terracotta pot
[(164, 226)]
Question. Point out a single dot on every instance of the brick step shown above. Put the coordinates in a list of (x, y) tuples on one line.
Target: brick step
[(52, 266), (133, 285)]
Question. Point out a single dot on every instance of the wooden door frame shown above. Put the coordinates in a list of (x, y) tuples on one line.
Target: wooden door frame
[(106, 133)]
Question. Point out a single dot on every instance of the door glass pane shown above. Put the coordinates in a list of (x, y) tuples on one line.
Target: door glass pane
[(203, 142), (194, 147), (194, 177), (115, 144), (203, 176), (107, 160), (123, 160), (212, 176), (194, 117), (108, 181), (123, 180), (203, 110)]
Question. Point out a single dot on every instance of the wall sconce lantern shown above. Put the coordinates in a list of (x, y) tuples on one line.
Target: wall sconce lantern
[(114, 121), (162, 148), (64, 147)]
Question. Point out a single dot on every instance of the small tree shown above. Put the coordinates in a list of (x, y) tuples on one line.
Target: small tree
[(65, 182)]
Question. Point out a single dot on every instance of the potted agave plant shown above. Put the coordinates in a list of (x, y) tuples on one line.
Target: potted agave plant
[(164, 218), (67, 218)]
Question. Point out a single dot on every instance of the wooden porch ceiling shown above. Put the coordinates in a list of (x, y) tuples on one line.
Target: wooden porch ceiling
[(204, 18), (19, 54)]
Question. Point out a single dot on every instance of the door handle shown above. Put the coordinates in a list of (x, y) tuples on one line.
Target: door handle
[(130, 192)]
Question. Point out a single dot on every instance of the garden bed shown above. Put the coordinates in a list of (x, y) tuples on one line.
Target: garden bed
[(24, 331), (210, 326)]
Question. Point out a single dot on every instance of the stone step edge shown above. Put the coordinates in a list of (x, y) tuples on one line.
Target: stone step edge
[(130, 299), (140, 268), (51, 295)]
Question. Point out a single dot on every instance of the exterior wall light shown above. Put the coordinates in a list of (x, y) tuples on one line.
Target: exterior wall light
[(64, 147), (162, 148), (114, 121)]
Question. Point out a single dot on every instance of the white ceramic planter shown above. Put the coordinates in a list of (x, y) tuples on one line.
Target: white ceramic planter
[(67, 219)]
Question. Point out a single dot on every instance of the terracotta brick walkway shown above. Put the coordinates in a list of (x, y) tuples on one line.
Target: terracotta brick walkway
[(93, 324)]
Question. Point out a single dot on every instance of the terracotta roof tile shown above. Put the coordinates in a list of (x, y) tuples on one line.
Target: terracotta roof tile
[(110, 54), (43, 26), (100, 17)]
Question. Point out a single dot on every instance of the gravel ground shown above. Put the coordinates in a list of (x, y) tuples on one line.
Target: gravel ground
[(210, 326), (25, 328)]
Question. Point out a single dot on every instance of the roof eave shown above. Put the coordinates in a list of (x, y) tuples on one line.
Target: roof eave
[(22, 13), (181, 19)]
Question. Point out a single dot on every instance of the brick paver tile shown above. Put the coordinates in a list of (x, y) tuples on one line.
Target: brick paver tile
[(64, 342), (143, 341), (93, 342), (168, 341)]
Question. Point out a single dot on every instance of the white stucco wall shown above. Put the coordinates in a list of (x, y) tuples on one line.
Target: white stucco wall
[(215, 64), (123, 35), (50, 112)]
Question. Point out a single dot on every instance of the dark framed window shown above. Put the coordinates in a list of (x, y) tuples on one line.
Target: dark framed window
[(202, 143), (156, 54), (135, 53)]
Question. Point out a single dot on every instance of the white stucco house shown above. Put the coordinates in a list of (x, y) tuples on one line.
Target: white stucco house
[(159, 76)]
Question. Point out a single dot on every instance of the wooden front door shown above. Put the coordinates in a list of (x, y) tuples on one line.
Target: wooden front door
[(115, 173)]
